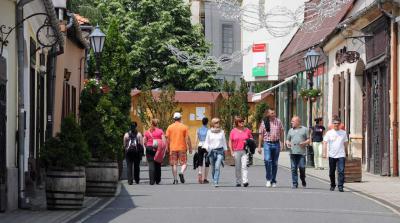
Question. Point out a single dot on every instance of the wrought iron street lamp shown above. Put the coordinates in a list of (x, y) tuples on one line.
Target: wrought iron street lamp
[(311, 63), (97, 39)]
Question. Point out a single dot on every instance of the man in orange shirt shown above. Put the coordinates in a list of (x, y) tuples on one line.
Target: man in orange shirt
[(178, 142)]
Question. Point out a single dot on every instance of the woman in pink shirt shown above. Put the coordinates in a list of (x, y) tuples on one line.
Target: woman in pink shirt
[(150, 136), (237, 140)]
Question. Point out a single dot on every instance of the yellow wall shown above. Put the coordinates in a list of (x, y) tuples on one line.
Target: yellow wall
[(190, 108)]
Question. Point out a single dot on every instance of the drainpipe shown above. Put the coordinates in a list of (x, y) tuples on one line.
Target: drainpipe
[(22, 200), (394, 57)]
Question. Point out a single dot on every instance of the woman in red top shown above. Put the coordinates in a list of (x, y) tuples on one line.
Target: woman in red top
[(151, 139), (237, 140)]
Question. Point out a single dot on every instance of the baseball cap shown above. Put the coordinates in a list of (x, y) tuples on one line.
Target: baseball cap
[(177, 115)]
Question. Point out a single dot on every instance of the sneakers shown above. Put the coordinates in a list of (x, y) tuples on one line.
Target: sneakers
[(245, 184), (205, 181), (215, 184), (341, 189), (294, 186), (273, 184), (304, 184), (268, 184), (181, 178), (332, 188), (238, 185), (175, 182)]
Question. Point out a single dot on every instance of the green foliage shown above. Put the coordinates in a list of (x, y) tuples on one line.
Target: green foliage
[(68, 149), (259, 113), (114, 124), (162, 107), (312, 93), (145, 28), (91, 119), (261, 86), (234, 104)]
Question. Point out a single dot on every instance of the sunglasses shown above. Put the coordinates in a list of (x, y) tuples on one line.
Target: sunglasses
[(336, 123)]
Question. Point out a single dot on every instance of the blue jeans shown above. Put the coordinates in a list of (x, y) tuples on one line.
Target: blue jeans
[(271, 156), (216, 156), (339, 162), (298, 161)]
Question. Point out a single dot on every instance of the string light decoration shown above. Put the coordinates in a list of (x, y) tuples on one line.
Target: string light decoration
[(210, 63), (279, 21)]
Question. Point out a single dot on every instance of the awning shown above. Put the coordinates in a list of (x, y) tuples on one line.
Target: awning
[(257, 97)]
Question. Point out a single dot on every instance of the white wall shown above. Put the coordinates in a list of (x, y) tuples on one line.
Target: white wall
[(7, 17), (275, 45), (30, 28)]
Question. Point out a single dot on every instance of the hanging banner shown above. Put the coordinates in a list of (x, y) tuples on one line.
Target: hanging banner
[(259, 68)]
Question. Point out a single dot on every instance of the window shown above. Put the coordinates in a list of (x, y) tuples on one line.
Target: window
[(227, 38)]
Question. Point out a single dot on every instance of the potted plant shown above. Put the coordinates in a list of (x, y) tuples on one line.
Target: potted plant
[(304, 94), (101, 124), (64, 157), (314, 94)]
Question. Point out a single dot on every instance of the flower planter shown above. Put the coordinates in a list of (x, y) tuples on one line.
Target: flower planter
[(313, 99), (352, 170), (65, 189), (101, 178)]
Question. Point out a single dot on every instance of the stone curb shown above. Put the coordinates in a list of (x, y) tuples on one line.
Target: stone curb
[(93, 209)]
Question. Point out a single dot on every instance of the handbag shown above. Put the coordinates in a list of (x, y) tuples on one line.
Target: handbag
[(160, 148), (160, 153)]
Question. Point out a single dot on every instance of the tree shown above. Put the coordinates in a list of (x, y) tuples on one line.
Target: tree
[(160, 106), (147, 26), (235, 103)]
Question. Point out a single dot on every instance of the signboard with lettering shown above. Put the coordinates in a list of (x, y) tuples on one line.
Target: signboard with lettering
[(259, 68)]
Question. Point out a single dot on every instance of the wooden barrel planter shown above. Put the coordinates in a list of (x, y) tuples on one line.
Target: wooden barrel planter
[(65, 189), (352, 170), (101, 178)]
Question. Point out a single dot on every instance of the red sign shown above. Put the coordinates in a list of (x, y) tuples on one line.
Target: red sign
[(319, 71), (262, 47)]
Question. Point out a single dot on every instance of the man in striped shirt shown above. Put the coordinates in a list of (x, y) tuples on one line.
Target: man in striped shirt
[(272, 133)]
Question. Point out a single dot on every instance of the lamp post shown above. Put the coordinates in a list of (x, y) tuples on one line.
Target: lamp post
[(311, 63), (97, 39)]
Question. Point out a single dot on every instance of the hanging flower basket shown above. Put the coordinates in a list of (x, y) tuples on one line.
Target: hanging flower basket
[(314, 93), (313, 99), (304, 94)]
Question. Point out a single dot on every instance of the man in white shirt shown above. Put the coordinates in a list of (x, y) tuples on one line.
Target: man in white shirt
[(335, 140)]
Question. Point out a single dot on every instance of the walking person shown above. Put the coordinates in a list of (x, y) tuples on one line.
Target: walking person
[(317, 136), (237, 140), (134, 150), (152, 138), (336, 143), (297, 141), (203, 162), (215, 143), (271, 130), (178, 142)]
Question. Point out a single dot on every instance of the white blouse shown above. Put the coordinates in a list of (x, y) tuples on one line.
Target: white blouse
[(215, 141)]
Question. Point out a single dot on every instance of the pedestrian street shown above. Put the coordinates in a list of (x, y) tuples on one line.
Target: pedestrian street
[(193, 202)]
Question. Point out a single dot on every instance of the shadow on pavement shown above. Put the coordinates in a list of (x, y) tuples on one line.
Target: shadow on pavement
[(122, 204)]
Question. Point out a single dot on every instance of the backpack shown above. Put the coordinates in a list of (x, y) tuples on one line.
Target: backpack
[(133, 145)]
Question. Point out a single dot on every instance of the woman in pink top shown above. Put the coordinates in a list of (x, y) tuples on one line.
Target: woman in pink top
[(237, 140), (150, 136)]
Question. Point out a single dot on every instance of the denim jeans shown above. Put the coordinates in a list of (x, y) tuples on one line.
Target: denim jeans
[(216, 156), (271, 156), (340, 163), (298, 161)]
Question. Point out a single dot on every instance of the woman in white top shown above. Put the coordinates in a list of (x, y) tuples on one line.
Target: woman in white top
[(215, 144)]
